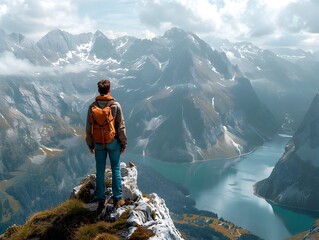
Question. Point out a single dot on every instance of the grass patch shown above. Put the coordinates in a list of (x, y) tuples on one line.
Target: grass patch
[(84, 193), (56, 223), (68, 221), (141, 233), (89, 232)]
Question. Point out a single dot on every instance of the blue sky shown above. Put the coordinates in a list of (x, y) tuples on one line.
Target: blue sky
[(266, 23)]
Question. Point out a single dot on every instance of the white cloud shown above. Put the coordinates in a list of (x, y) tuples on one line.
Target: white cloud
[(148, 34), (3, 9), (10, 65), (199, 16), (237, 20), (261, 21), (35, 18)]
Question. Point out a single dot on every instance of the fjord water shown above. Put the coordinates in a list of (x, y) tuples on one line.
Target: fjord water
[(226, 188)]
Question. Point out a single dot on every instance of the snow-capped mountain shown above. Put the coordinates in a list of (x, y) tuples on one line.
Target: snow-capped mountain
[(174, 84), (283, 79), (294, 180)]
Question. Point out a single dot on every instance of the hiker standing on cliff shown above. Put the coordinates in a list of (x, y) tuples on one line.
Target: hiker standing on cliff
[(106, 135)]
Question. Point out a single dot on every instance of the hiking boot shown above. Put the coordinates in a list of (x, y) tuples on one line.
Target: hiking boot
[(100, 207), (119, 203)]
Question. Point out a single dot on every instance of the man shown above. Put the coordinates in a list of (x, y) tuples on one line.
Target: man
[(103, 148)]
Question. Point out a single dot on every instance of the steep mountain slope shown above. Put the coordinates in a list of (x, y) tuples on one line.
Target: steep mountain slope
[(40, 132), (294, 180), (285, 80)]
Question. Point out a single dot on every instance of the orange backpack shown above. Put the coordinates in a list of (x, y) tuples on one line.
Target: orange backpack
[(103, 129)]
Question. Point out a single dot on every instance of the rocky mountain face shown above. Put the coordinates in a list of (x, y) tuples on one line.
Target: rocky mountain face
[(40, 132), (294, 180), (284, 79)]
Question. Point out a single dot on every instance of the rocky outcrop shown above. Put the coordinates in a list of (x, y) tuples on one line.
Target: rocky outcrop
[(148, 211), (295, 178), (141, 217)]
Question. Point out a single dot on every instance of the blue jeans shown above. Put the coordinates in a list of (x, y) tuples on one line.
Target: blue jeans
[(112, 149)]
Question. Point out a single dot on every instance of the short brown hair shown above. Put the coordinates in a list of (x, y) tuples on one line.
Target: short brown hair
[(104, 86)]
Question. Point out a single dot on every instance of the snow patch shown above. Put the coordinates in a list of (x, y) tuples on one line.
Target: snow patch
[(40, 158), (230, 55), (51, 149), (163, 65), (221, 84), (230, 142), (11, 135), (233, 78), (142, 142), (154, 123)]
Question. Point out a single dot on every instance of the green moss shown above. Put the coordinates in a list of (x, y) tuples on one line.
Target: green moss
[(141, 233), (68, 221), (56, 223), (84, 193)]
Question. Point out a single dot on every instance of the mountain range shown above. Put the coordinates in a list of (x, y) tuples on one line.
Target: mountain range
[(284, 79), (175, 85)]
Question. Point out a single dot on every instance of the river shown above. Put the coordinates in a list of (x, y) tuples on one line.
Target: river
[(225, 187)]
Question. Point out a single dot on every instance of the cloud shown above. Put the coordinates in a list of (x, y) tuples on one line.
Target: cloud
[(262, 21), (237, 20), (300, 16), (10, 65), (35, 18), (197, 16)]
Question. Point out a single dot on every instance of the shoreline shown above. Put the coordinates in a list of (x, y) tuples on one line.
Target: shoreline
[(305, 211), (216, 159)]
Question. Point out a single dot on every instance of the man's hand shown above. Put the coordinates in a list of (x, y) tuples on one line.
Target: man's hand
[(92, 151)]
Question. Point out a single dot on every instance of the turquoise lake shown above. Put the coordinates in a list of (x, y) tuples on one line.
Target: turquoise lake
[(226, 188)]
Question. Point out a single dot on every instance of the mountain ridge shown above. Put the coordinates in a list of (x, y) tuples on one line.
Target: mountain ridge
[(299, 166)]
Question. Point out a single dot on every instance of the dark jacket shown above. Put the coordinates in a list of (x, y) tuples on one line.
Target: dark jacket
[(116, 109)]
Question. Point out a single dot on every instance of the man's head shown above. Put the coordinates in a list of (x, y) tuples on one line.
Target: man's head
[(104, 86)]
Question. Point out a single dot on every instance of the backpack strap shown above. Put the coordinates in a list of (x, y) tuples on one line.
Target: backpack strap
[(109, 104)]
